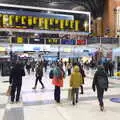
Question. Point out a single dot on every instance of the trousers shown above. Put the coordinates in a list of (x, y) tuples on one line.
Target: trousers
[(100, 93), (75, 92), (40, 80), (57, 94), (15, 89)]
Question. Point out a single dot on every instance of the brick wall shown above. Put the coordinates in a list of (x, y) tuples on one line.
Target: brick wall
[(109, 16)]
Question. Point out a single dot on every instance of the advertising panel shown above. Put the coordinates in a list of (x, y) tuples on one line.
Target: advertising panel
[(68, 42), (81, 42)]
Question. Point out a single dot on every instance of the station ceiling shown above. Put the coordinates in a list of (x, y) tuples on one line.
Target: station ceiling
[(96, 7)]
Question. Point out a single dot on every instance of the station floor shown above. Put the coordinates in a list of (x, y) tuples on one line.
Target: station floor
[(39, 104)]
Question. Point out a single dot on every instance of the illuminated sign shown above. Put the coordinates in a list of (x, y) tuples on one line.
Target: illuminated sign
[(41, 20), (52, 41), (68, 42), (19, 40), (81, 42), (67, 50)]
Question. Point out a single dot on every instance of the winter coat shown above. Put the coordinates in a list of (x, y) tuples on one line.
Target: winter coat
[(99, 73), (16, 74), (57, 77), (39, 71), (76, 78)]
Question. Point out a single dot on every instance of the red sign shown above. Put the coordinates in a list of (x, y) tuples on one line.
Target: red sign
[(81, 42)]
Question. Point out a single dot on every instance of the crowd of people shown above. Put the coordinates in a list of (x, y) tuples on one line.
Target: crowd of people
[(57, 74)]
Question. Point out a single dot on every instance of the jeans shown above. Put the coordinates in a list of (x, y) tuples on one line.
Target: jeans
[(100, 93), (57, 94), (75, 92), (40, 80)]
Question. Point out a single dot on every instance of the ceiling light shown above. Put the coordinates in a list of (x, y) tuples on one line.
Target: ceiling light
[(53, 4)]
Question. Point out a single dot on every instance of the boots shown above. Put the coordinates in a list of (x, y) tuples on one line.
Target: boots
[(81, 89), (34, 87), (101, 107)]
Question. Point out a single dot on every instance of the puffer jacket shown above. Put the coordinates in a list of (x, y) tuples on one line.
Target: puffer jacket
[(98, 74), (58, 77), (76, 78)]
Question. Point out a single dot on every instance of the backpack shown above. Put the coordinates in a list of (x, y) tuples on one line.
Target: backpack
[(102, 82), (51, 74)]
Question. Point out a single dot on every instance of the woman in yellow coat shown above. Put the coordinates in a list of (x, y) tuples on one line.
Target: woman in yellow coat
[(75, 82)]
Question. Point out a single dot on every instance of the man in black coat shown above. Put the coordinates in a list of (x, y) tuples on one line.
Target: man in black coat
[(100, 81), (16, 80)]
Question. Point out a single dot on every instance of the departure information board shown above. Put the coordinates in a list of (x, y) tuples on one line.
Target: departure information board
[(42, 20)]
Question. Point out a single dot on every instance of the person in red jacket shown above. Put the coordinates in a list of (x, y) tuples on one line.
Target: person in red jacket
[(57, 81)]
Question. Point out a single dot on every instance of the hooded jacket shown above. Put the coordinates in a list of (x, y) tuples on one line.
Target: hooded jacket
[(57, 77), (75, 78), (99, 73)]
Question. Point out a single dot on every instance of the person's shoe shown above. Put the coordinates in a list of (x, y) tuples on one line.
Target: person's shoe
[(76, 101), (73, 103), (101, 108), (43, 87), (81, 93), (57, 101), (34, 88), (11, 102)]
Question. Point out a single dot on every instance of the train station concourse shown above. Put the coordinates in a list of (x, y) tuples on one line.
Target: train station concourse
[(59, 59)]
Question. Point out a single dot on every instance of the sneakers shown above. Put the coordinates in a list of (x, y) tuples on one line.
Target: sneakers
[(73, 103)]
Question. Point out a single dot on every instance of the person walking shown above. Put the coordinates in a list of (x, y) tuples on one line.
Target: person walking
[(39, 75), (100, 81), (57, 81), (75, 83), (69, 67), (28, 67), (83, 76), (16, 81), (111, 68)]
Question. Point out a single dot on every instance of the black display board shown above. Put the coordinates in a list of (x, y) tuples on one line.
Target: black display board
[(5, 69), (36, 41)]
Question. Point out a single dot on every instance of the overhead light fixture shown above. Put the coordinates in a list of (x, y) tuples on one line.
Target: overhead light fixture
[(53, 3)]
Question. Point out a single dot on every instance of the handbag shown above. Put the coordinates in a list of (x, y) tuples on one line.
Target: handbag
[(69, 94), (8, 92)]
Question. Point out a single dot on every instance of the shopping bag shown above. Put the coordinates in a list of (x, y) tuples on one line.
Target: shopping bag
[(69, 94), (8, 92)]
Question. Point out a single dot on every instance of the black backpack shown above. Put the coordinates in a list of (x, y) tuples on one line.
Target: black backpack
[(102, 82), (51, 74)]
